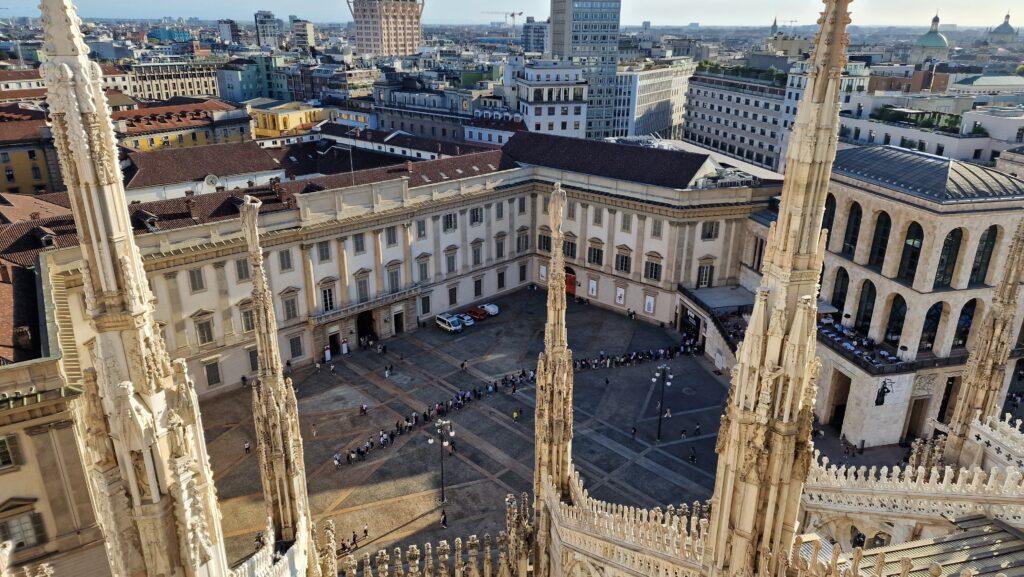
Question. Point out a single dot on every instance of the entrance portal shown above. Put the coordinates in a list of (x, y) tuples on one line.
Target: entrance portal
[(399, 323), (840, 396), (570, 282), (364, 326), (334, 342)]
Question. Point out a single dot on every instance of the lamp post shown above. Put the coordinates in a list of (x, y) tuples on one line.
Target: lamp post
[(444, 431), (665, 377)]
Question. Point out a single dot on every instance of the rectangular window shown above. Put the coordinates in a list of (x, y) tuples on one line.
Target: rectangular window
[(248, 320), (359, 243), (453, 295), (522, 205), (242, 269), (652, 270), (425, 304), (423, 267), (8, 451), (391, 235), (196, 280), (595, 256), (323, 251), (544, 243), (598, 216), (499, 210), (395, 280), (254, 360), (363, 290), (36, 173), (709, 230), (476, 215), (291, 308), (627, 222), (450, 222), (449, 260), (569, 249), (421, 228), (656, 228), (24, 530), (522, 272), (705, 274), (204, 331), (623, 262), (570, 210), (499, 248), (478, 287), (212, 371), (522, 242), (295, 346), (544, 204), (501, 279), (327, 296), (477, 254), (284, 259)]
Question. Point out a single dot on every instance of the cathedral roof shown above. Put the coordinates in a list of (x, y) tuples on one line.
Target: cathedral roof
[(1005, 27), (927, 176), (933, 38)]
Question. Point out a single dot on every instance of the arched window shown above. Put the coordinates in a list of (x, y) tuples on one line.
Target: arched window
[(840, 288), (830, 214), (963, 324), (897, 314), (930, 328), (865, 308), (852, 231), (947, 259), (911, 253), (880, 240), (982, 258)]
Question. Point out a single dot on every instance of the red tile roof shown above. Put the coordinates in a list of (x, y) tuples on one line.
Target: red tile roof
[(153, 119), (22, 207), (33, 74), (21, 131), (194, 163), (22, 95)]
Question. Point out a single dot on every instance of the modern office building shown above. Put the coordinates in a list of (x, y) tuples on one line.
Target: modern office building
[(268, 30), (536, 36), (387, 27)]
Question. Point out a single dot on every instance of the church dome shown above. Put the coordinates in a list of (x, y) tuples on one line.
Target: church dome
[(1005, 27), (933, 38)]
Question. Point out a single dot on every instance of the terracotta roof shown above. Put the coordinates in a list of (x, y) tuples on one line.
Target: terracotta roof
[(22, 207), (170, 117), (194, 163), (26, 94), (654, 166), (20, 111), (11, 75), (22, 130), (400, 139)]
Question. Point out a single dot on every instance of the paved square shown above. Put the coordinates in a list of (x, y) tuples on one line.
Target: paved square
[(395, 491)]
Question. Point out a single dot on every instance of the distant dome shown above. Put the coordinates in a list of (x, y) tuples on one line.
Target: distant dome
[(1005, 27), (933, 38)]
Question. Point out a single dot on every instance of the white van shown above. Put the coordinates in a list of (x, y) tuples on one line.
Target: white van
[(449, 323)]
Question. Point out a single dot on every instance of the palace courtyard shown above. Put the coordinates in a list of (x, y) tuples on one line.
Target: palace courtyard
[(394, 492)]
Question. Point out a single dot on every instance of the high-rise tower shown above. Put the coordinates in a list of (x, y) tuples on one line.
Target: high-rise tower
[(981, 388), (764, 444), (143, 440), (553, 436)]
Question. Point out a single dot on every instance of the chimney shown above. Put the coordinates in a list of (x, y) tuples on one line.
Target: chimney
[(33, 215), (190, 204)]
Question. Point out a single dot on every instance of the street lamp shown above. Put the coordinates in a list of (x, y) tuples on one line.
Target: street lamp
[(444, 432), (665, 377)]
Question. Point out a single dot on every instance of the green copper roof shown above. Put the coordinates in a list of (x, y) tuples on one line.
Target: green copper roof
[(932, 39)]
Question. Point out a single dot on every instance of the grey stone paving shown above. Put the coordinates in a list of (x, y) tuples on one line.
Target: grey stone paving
[(394, 492)]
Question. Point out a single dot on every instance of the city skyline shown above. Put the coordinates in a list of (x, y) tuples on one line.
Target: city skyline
[(634, 12)]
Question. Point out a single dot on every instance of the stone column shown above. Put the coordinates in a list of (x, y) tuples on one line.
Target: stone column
[(343, 276), (852, 300), (864, 237), (894, 249), (689, 235), (835, 237), (581, 214), (879, 318), (674, 256), (307, 278), (965, 259), (177, 331), (407, 254), (911, 335), (924, 280), (609, 224), (488, 235), (438, 255), (464, 248), (226, 310), (641, 241), (46, 454), (378, 261)]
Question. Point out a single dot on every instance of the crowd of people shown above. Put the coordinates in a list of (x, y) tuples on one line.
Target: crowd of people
[(603, 361)]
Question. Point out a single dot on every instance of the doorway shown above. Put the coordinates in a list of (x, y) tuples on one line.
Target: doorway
[(399, 322), (840, 396), (364, 327), (949, 398), (334, 342), (570, 282), (916, 420)]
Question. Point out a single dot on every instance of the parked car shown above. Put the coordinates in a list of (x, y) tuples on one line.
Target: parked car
[(450, 323), (490, 308), (466, 319), (477, 313)]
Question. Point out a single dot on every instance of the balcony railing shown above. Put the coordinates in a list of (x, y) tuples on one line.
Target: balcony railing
[(382, 298)]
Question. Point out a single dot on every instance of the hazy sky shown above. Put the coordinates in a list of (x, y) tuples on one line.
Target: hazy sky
[(707, 12)]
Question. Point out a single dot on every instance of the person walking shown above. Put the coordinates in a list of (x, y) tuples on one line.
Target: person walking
[(515, 419), (247, 447), (682, 434), (668, 413), (696, 430), (314, 430), (633, 432), (366, 530), (444, 519), (693, 456)]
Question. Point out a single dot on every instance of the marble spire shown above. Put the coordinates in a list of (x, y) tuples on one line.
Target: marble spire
[(982, 389), (139, 420), (553, 436), (275, 409), (764, 443)]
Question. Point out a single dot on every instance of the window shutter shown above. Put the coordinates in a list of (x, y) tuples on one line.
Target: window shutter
[(14, 448), (39, 528)]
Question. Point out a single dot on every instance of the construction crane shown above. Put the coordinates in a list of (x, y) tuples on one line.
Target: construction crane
[(507, 15)]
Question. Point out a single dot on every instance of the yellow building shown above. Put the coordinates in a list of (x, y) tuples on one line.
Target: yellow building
[(182, 122), (28, 162), (277, 118)]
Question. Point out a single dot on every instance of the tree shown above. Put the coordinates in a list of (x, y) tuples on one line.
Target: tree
[(1020, 70)]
